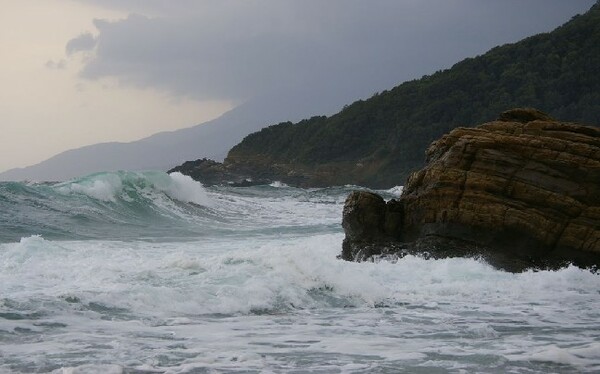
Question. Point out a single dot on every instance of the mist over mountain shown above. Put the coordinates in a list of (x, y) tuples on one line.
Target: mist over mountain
[(164, 150)]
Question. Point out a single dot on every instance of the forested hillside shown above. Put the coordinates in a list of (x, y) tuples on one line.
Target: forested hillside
[(379, 141)]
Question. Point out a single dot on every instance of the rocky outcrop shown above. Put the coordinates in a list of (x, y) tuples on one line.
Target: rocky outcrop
[(522, 191), (249, 172), (210, 172), (245, 173)]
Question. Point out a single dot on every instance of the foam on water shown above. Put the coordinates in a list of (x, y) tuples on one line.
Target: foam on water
[(581, 357), (278, 184), (121, 185), (187, 190), (117, 205), (395, 191), (261, 290), (103, 187), (261, 303)]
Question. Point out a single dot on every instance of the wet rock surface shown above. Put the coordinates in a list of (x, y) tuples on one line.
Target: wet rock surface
[(521, 192)]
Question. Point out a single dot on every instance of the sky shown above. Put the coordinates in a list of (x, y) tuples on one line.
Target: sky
[(79, 72)]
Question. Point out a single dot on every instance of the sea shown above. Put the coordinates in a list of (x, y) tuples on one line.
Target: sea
[(148, 272)]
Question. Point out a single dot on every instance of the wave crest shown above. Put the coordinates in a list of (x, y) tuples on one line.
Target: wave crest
[(131, 186)]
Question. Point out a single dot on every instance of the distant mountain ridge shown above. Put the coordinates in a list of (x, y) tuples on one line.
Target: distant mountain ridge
[(375, 142), (378, 142), (164, 150)]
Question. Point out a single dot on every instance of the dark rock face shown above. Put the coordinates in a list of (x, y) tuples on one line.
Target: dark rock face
[(244, 174), (364, 214), (364, 220), (211, 173), (523, 191)]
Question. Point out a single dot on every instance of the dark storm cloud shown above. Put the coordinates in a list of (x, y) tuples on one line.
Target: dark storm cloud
[(234, 50), (84, 42)]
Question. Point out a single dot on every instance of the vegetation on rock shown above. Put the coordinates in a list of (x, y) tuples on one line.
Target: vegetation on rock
[(379, 141)]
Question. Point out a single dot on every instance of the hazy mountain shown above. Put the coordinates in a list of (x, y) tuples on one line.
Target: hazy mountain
[(164, 150)]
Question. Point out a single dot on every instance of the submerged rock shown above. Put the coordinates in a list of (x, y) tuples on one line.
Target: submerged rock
[(522, 192)]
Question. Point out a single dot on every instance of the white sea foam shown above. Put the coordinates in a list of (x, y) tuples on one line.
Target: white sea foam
[(585, 357), (103, 187), (90, 369), (278, 184), (109, 187), (396, 191), (271, 296), (291, 297), (187, 190), (244, 275)]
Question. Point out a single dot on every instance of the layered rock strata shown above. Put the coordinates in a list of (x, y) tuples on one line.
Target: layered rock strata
[(522, 191)]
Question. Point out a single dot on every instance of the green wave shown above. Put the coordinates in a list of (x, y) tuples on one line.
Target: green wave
[(123, 205)]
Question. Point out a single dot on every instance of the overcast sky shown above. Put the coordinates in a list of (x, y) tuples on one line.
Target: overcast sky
[(78, 72)]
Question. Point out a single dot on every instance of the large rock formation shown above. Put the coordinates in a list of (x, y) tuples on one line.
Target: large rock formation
[(522, 191)]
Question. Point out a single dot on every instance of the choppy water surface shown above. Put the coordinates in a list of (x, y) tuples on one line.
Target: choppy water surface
[(151, 273)]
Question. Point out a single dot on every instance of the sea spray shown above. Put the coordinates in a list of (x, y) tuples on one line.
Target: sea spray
[(131, 185), (185, 189), (104, 187)]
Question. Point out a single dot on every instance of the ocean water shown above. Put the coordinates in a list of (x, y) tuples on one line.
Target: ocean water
[(153, 273)]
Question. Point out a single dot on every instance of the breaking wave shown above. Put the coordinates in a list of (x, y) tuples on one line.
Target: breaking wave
[(155, 206)]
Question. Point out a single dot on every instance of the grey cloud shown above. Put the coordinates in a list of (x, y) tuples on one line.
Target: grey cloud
[(57, 65), (82, 43), (150, 7), (236, 50)]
